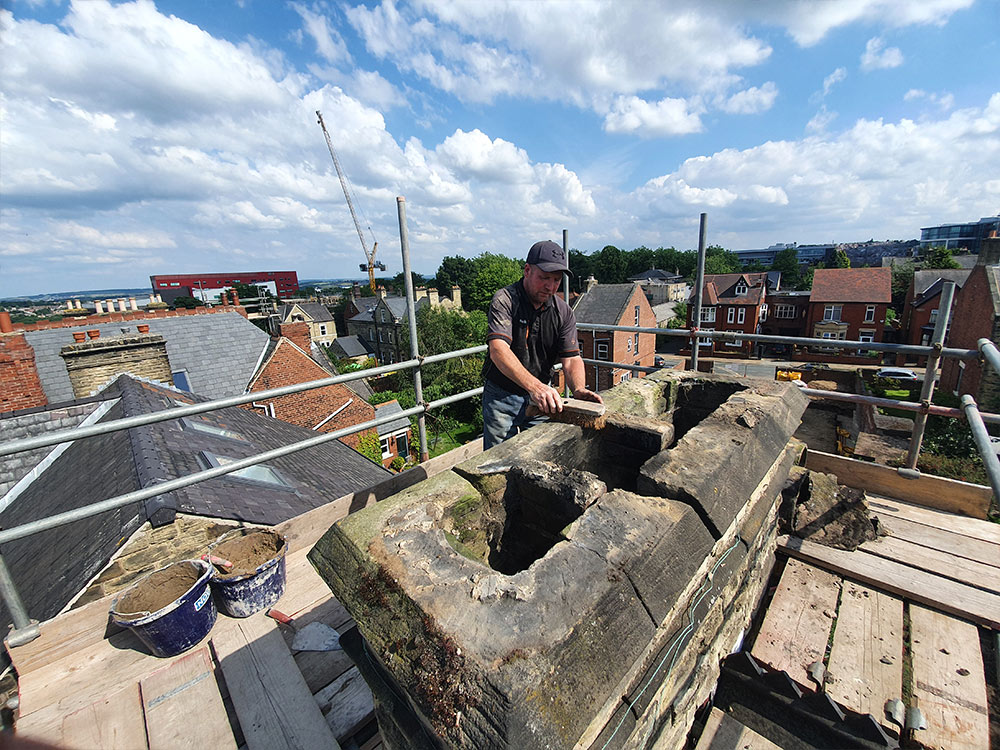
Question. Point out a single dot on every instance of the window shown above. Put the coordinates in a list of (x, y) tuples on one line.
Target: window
[(602, 350), (741, 289), (402, 446), (628, 345), (381, 336), (870, 313), (371, 334), (784, 311), (708, 315), (258, 474), (705, 342), (181, 382), (763, 313), (383, 316), (210, 429), (731, 315), (933, 319), (175, 283), (741, 316), (734, 343), (322, 329), (386, 447), (635, 343), (832, 312)]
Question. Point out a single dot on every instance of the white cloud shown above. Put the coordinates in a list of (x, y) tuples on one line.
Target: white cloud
[(877, 56), (752, 100), (329, 43), (92, 236), (665, 117), (833, 79), (820, 121), (943, 101)]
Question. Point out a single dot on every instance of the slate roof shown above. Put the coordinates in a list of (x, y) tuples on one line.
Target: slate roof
[(316, 312), (604, 304), (51, 567), (396, 305), (386, 409), (349, 346), (32, 422), (870, 285), (925, 283), (656, 275), (220, 352)]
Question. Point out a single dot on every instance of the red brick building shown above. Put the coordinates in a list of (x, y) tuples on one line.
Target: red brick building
[(976, 315), (20, 386), (170, 286), (849, 303), (327, 409), (920, 308), (734, 302), (617, 305)]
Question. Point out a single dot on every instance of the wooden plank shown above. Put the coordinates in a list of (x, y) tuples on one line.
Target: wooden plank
[(113, 723), (304, 589), (935, 561), (933, 492), (948, 681), (797, 625), (723, 732), (273, 702), (948, 596), (956, 524), (320, 668), (866, 661), (986, 553), (173, 695), (346, 703)]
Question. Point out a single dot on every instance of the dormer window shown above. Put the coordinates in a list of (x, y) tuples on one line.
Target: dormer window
[(741, 289)]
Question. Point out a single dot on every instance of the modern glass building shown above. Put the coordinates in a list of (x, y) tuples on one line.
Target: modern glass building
[(954, 236)]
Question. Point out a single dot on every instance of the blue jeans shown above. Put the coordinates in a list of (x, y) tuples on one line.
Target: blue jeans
[(503, 414)]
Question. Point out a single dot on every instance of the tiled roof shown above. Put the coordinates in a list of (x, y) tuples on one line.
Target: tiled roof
[(219, 352), (604, 304), (387, 409), (655, 274), (852, 285), (316, 312), (720, 286)]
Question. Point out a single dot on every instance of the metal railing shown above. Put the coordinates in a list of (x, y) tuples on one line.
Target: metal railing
[(25, 629)]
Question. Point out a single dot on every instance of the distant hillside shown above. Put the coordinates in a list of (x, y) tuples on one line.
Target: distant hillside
[(81, 295)]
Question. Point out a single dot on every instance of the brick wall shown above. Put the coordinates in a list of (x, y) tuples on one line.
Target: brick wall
[(20, 386), (91, 364), (289, 366)]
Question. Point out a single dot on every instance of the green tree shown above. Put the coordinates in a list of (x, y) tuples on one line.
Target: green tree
[(939, 257), (787, 262), (493, 272), (610, 265), (720, 260), (840, 260), (639, 260), (680, 316), (669, 259), (186, 302), (754, 266), (398, 283), (902, 277), (370, 448), (582, 267), (455, 271)]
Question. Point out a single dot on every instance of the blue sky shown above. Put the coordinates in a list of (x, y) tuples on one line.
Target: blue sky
[(180, 136)]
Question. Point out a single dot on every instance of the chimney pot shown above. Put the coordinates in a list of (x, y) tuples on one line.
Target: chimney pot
[(132, 304), (94, 333), (98, 307), (79, 335)]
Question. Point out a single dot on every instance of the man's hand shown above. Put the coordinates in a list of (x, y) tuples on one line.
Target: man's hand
[(585, 394), (546, 398)]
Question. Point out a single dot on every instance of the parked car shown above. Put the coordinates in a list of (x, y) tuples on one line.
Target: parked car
[(898, 373)]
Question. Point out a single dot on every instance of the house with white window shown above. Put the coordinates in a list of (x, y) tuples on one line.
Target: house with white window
[(394, 437), (734, 302), (322, 329), (849, 303), (616, 305)]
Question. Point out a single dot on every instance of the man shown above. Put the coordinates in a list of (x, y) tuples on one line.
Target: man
[(530, 327)]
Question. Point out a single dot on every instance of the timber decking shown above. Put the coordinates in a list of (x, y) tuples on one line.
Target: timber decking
[(939, 577)]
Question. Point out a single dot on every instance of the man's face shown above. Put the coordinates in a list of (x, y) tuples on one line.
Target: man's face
[(540, 285)]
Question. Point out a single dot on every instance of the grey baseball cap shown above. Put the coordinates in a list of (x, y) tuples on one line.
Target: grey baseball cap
[(548, 256)]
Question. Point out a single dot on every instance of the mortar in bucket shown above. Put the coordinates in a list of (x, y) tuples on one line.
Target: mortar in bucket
[(250, 570), (171, 609)]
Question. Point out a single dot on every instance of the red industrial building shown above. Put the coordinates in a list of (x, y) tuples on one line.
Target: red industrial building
[(207, 285)]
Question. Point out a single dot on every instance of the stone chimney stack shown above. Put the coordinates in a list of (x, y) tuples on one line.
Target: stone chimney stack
[(91, 364), (989, 252), (432, 297), (298, 334), (456, 296), (589, 284), (419, 293), (380, 292)]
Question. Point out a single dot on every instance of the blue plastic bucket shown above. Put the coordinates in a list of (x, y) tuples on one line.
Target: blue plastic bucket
[(171, 609), (257, 579)]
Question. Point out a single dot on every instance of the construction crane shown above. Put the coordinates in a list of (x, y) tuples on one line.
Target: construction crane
[(370, 265)]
